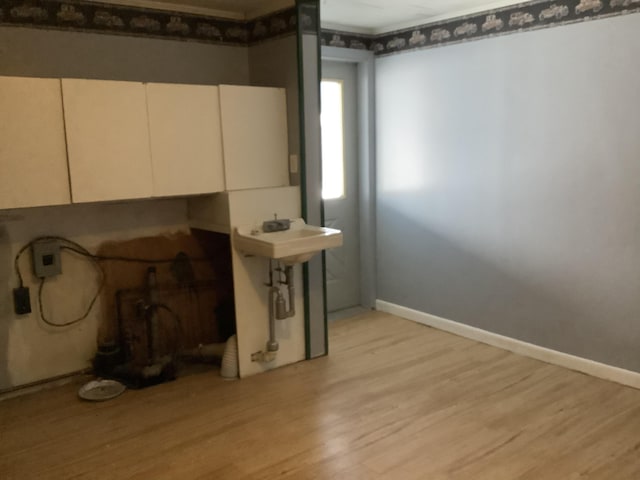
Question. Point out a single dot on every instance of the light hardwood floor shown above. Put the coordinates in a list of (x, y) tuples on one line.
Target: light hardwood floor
[(394, 400)]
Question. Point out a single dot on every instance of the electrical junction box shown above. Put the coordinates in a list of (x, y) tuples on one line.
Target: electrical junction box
[(21, 300), (46, 258)]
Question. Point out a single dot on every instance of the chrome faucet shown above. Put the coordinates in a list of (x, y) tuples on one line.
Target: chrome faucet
[(276, 225)]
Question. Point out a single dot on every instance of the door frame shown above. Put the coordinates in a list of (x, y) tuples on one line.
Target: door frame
[(365, 65)]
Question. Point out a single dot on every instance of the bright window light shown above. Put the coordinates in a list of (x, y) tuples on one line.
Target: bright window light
[(332, 142)]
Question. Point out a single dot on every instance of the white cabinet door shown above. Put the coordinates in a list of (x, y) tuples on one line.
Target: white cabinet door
[(186, 144), (254, 137), (107, 140), (33, 156)]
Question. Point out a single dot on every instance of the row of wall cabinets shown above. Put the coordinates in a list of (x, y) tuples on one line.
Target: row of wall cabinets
[(74, 140)]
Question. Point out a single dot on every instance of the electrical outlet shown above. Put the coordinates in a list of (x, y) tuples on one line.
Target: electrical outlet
[(21, 300), (46, 258)]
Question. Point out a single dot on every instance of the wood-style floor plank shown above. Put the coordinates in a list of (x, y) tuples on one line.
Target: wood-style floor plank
[(393, 400)]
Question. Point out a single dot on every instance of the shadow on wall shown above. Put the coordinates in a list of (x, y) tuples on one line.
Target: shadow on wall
[(194, 288), (490, 288)]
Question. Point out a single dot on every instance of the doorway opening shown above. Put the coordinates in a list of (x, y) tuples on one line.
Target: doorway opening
[(340, 184)]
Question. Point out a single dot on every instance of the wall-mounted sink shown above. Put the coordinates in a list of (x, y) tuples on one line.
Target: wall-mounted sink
[(296, 245)]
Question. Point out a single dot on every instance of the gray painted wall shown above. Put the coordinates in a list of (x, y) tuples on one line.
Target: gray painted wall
[(274, 63), (52, 53), (509, 184)]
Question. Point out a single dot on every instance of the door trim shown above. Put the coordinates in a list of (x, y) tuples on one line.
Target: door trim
[(309, 71), (365, 64)]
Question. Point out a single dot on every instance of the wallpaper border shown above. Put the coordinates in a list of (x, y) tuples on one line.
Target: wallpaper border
[(83, 16), (92, 17), (522, 17)]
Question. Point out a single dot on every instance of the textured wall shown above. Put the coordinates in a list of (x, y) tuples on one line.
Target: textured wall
[(508, 186), (51, 53)]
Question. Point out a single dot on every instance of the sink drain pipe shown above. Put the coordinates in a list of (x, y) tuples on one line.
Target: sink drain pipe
[(272, 344), (278, 310), (288, 274)]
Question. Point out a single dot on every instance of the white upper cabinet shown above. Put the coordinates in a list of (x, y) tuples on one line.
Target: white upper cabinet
[(107, 140), (186, 144), (33, 157), (128, 140), (254, 137)]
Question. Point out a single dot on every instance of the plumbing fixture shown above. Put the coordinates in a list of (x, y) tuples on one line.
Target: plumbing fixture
[(153, 327), (288, 275), (279, 309), (296, 244), (263, 357), (282, 312), (204, 352), (272, 344), (159, 366), (276, 225)]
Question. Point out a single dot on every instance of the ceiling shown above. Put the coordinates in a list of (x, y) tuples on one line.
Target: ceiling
[(364, 16), (379, 16)]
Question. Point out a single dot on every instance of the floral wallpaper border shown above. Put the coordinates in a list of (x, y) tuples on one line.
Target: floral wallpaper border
[(78, 15), (309, 22), (516, 18)]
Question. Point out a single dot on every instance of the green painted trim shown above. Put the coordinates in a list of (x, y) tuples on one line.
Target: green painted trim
[(303, 180), (322, 216), (303, 29)]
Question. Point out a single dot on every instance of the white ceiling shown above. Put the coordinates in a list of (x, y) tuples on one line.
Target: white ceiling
[(379, 16), (365, 16)]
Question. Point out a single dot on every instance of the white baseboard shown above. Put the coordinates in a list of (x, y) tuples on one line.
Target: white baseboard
[(596, 369)]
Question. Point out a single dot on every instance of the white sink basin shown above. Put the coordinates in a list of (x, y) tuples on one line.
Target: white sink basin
[(296, 245)]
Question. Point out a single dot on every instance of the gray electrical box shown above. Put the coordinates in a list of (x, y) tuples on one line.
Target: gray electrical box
[(46, 258)]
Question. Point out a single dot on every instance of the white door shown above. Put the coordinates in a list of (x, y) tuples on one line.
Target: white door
[(340, 182)]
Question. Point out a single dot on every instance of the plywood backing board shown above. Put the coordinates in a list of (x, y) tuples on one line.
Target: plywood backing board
[(251, 207)]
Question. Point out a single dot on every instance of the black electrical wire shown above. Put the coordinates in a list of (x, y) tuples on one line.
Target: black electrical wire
[(77, 320), (130, 259), (153, 309), (17, 259), (80, 250)]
